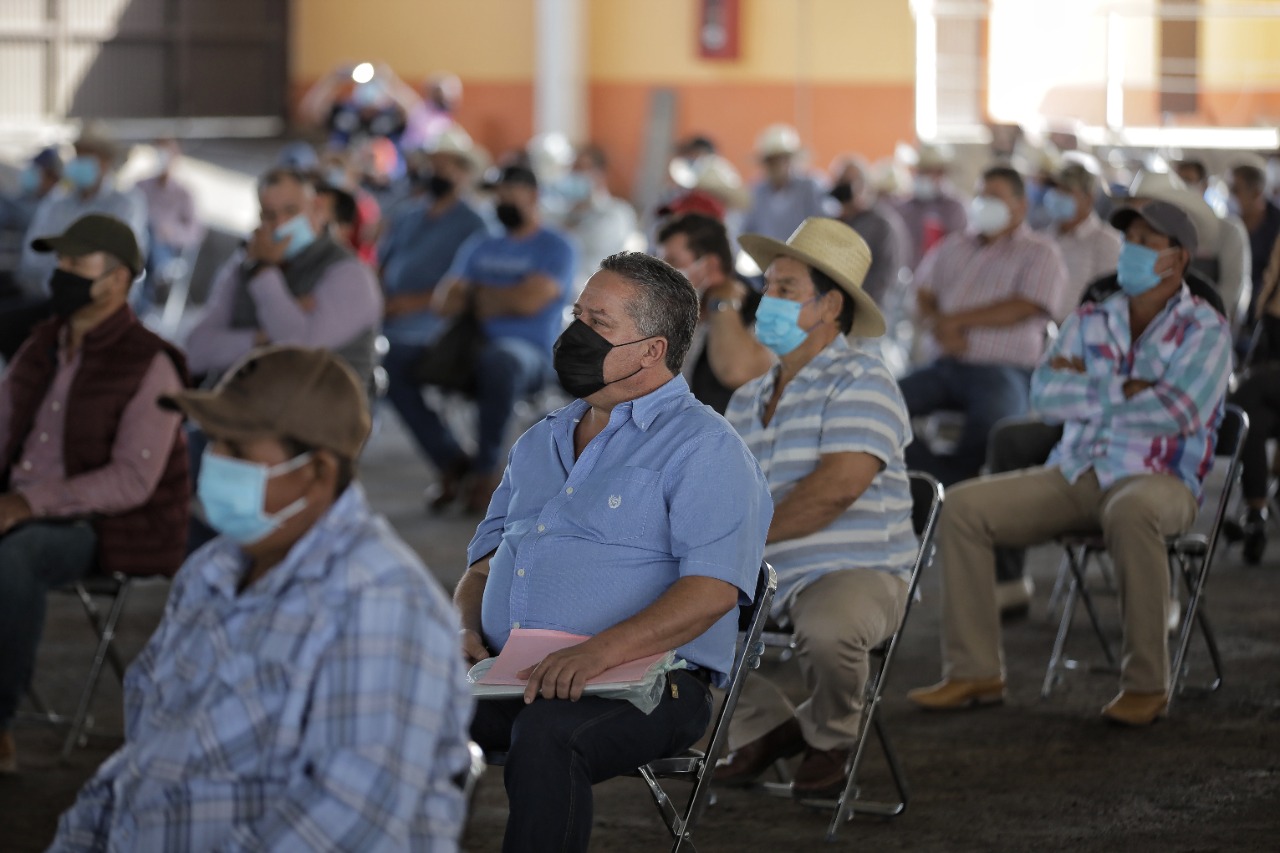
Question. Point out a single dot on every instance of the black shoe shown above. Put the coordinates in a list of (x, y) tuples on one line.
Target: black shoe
[(1255, 536), (449, 488)]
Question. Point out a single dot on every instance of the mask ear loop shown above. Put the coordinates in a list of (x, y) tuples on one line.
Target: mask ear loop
[(288, 467)]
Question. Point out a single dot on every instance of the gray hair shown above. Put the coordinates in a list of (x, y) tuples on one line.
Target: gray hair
[(667, 304)]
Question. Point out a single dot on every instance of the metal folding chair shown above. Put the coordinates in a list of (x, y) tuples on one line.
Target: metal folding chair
[(1190, 556), (115, 590), (695, 765), (926, 502)]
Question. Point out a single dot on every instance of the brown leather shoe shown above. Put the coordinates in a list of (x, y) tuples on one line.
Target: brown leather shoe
[(821, 773), (450, 485), (8, 754), (1136, 709), (482, 492), (743, 765), (952, 694)]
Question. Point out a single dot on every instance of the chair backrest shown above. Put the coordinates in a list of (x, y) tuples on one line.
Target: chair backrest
[(751, 619), (926, 502), (1232, 433)]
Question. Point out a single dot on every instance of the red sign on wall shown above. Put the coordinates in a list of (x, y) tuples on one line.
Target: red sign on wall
[(719, 29)]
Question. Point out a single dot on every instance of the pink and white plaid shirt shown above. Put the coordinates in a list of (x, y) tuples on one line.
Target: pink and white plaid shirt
[(966, 272)]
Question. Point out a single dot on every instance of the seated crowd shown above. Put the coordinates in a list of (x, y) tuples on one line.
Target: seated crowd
[(307, 685)]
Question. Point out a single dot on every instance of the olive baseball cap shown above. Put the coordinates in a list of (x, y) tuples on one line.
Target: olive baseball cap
[(308, 395), (95, 232)]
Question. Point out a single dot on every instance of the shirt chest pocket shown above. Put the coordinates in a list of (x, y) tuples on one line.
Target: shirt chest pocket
[(621, 506)]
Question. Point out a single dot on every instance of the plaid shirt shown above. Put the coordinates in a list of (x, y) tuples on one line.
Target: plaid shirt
[(1169, 428), (323, 708), (966, 272)]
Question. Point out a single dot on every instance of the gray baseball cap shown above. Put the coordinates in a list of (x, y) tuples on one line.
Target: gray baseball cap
[(1169, 219)]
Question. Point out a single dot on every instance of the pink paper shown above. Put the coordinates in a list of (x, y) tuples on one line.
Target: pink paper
[(527, 646)]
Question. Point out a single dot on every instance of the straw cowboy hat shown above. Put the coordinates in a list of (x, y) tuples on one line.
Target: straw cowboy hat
[(777, 139), (1166, 186), (837, 250)]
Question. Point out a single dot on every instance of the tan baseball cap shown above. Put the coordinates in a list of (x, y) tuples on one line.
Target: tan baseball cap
[(308, 395)]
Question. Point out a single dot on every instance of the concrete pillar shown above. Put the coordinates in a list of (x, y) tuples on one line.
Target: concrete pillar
[(560, 79)]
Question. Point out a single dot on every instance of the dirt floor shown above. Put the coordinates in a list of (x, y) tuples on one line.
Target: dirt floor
[(1033, 774)]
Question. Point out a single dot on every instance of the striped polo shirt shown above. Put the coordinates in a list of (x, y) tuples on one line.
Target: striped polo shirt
[(844, 401)]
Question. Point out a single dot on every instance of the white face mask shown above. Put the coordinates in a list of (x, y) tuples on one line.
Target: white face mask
[(989, 215)]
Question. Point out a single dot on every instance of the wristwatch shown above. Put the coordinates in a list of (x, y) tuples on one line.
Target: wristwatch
[(714, 306)]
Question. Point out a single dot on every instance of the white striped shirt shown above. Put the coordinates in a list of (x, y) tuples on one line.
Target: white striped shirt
[(966, 272), (844, 401)]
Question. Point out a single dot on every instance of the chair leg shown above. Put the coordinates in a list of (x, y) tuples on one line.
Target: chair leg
[(106, 630), (1059, 589), (1195, 616), (1060, 641)]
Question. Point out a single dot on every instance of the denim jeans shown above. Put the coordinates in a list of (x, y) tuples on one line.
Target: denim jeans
[(983, 393), (34, 558), (557, 749), (509, 369)]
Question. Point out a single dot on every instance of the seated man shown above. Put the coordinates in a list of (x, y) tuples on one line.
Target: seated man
[(94, 475), (1138, 381), (829, 426), (516, 284), (724, 354), (634, 515), (292, 284), (422, 241), (303, 690), (986, 298), (171, 212)]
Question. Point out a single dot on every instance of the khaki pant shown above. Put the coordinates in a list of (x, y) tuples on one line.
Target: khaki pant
[(1135, 515), (837, 619)]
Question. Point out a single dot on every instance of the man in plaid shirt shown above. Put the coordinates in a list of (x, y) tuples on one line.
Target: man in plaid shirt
[(1138, 382), (304, 690)]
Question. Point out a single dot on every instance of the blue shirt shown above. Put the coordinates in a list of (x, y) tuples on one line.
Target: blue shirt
[(667, 490), (1169, 428), (415, 255), (843, 401), (324, 707), (504, 262)]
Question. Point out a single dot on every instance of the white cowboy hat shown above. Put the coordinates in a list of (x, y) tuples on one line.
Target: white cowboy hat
[(456, 141), (836, 249), (712, 174), (777, 139), (1166, 186)]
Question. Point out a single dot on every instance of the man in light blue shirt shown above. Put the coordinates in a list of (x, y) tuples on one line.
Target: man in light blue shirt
[(634, 515), (304, 690), (829, 427), (785, 197)]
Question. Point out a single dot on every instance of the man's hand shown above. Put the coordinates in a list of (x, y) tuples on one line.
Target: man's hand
[(473, 650), (1135, 386), (307, 303), (1072, 365), (950, 336), (394, 306), (265, 248), (14, 510), (564, 674)]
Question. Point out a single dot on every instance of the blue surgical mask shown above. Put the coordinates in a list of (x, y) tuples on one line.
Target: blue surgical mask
[(575, 187), (29, 180), (778, 324), (83, 172), (299, 229), (233, 493), (1136, 270), (1060, 206)]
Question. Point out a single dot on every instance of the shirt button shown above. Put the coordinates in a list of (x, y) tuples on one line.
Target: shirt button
[(56, 406), (515, 624), (146, 454), (569, 490), (541, 528), (26, 466), (44, 437), (519, 573)]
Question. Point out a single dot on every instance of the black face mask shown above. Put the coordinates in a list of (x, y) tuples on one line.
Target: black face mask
[(439, 186), (578, 358), (70, 292), (842, 192), (509, 215)]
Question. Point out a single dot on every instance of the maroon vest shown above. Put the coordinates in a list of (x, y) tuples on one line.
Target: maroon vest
[(147, 540)]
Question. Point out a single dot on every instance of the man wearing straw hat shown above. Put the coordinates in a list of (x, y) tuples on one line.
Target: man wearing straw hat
[(829, 427)]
